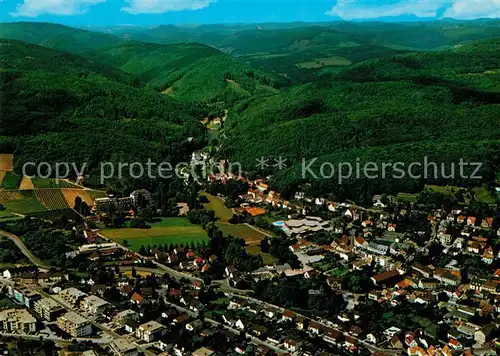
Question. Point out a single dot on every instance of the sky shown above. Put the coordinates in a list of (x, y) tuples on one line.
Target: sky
[(153, 12)]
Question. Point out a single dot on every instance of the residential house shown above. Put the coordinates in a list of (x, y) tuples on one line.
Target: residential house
[(485, 334), (291, 345)]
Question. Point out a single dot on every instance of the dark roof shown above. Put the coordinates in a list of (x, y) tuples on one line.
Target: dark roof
[(386, 276)]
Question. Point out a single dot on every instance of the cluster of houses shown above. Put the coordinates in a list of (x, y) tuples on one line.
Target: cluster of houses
[(384, 239)]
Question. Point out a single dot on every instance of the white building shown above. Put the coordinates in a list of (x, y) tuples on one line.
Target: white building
[(94, 305), (74, 324), (150, 331), (121, 347), (17, 320)]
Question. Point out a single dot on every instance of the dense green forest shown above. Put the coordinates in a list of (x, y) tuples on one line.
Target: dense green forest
[(189, 72), (78, 111), (400, 109), (381, 92), (281, 47)]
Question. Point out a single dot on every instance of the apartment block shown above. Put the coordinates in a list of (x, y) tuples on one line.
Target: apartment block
[(17, 320), (48, 309), (72, 296), (94, 305), (150, 331), (122, 347), (74, 324)]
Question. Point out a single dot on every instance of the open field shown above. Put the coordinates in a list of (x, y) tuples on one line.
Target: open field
[(11, 180), (244, 232), (167, 231), (52, 199), (324, 62), (482, 194), (266, 258), (22, 202), (41, 183), (6, 161), (2, 175), (26, 184), (139, 273), (88, 196), (216, 204)]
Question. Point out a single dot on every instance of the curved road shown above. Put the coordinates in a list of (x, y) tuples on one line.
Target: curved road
[(19, 243)]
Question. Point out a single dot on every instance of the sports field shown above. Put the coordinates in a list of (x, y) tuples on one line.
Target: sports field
[(167, 231), (216, 204)]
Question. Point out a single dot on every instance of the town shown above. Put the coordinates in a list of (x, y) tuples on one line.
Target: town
[(394, 278)]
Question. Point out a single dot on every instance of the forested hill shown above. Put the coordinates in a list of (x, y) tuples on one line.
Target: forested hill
[(21, 56), (472, 65), (79, 111), (189, 72), (448, 115), (57, 36)]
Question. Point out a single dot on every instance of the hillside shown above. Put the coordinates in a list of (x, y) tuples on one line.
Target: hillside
[(472, 65), (191, 72), (57, 36), (413, 112), (78, 113), (304, 51), (176, 69)]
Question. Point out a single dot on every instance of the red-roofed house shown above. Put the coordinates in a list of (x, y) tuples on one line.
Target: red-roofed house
[(137, 299)]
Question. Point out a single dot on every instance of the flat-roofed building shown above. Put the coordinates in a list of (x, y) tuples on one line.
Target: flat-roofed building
[(17, 320), (121, 347), (23, 295), (72, 296), (126, 315), (94, 305), (48, 309), (203, 351), (150, 331), (74, 324)]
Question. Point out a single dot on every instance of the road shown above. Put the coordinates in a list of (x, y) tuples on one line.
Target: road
[(361, 342), (33, 259), (177, 274), (111, 335), (235, 331)]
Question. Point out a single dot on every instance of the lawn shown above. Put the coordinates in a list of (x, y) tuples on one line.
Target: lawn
[(217, 205), (266, 258), (407, 197), (242, 231), (167, 231), (482, 193)]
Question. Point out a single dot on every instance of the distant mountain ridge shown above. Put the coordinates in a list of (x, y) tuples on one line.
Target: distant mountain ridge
[(177, 69)]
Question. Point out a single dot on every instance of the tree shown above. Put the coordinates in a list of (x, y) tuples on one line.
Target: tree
[(264, 245)]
